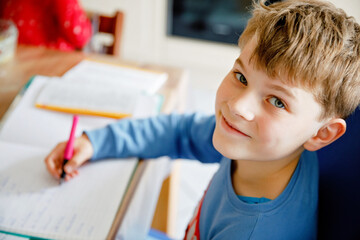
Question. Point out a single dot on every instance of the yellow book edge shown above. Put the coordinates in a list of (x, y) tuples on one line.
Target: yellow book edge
[(83, 111)]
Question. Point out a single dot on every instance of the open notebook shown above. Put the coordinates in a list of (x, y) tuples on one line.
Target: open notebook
[(32, 203)]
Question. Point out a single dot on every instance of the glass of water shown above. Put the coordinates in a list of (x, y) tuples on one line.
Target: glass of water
[(8, 40)]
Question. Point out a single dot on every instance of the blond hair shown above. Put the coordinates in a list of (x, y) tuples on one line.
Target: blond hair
[(315, 44)]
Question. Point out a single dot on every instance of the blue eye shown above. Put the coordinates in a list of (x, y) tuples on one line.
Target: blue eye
[(276, 102), (241, 78)]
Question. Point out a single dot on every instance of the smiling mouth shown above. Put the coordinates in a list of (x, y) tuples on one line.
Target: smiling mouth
[(232, 128)]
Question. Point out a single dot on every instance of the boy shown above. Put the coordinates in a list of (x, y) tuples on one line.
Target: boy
[(287, 95)]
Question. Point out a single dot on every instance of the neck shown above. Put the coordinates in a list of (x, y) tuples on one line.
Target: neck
[(263, 179)]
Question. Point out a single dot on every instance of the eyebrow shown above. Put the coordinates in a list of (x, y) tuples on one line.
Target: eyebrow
[(283, 90), (239, 62), (273, 87)]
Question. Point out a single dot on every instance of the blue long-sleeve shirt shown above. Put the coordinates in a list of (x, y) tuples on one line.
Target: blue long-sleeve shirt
[(175, 135), (292, 215)]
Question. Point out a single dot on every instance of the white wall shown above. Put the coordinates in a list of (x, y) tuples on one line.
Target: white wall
[(351, 7), (145, 40)]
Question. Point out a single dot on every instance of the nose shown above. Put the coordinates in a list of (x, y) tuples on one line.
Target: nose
[(243, 105)]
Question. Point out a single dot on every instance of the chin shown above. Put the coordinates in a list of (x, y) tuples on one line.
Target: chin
[(226, 149)]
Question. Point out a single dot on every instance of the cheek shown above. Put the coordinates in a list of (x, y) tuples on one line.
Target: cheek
[(273, 132), (267, 130), (221, 95), (225, 89), (278, 133)]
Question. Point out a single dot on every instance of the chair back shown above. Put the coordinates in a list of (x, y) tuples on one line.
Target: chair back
[(339, 186), (112, 25)]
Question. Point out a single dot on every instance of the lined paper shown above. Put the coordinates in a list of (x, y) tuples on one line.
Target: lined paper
[(4, 236), (33, 203)]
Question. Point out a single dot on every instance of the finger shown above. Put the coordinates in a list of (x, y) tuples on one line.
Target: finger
[(71, 175), (51, 167), (54, 160), (67, 178), (72, 165)]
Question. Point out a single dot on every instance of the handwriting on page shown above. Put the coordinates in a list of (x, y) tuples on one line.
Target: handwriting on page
[(33, 203)]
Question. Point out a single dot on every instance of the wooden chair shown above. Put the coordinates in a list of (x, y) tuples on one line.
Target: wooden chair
[(112, 25)]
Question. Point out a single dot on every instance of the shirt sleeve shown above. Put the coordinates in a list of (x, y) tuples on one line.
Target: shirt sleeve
[(175, 135)]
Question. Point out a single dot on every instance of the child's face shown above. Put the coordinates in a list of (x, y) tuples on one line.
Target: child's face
[(261, 118)]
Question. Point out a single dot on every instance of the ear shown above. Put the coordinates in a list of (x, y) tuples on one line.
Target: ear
[(328, 133)]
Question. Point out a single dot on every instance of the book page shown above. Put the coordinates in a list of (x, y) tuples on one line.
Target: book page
[(96, 98), (33, 203), (93, 72)]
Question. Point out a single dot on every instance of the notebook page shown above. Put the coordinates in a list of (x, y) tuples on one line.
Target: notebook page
[(4, 236), (116, 75), (33, 203)]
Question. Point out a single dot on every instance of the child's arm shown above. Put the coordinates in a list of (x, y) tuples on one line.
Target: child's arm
[(177, 136)]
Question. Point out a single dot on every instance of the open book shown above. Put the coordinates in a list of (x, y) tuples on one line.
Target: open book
[(32, 203), (101, 89)]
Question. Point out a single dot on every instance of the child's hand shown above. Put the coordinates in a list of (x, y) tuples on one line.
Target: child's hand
[(83, 151)]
